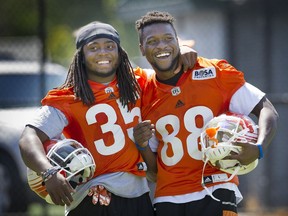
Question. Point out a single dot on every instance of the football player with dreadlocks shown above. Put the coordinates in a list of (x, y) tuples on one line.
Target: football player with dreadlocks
[(98, 105), (179, 106)]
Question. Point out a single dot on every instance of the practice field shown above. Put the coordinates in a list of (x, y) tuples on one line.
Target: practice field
[(50, 210)]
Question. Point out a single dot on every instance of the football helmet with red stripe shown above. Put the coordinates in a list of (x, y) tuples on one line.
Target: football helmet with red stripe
[(218, 137)]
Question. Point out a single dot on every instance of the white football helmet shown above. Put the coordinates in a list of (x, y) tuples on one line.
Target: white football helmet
[(72, 160), (218, 137)]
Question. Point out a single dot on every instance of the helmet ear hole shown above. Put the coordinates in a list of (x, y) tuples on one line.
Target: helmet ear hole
[(74, 162), (217, 144)]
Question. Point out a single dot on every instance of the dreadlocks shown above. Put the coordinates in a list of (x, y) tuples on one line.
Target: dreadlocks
[(153, 17), (77, 78)]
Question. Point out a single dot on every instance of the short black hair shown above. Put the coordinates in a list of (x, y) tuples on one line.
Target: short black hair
[(152, 17)]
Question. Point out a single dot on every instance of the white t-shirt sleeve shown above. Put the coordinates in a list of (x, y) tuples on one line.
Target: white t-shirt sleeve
[(49, 120), (245, 99)]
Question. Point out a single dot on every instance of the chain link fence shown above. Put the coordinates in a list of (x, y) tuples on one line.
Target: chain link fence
[(37, 44)]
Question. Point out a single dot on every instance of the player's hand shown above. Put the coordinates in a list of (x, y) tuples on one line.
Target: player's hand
[(143, 132), (187, 59), (100, 194), (59, 190), (247, 155)]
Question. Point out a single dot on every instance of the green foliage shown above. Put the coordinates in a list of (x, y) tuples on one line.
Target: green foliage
[(61, 19), (65, 16), (61, 44), (18, 18), (36, 209)]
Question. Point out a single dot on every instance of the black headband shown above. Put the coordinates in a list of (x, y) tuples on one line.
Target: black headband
[(96, 30)]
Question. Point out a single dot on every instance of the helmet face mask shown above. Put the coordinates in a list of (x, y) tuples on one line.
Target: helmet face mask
[(72, 160), (218, 137)]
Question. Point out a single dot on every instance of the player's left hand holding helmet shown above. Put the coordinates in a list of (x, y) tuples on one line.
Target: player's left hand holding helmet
[(71, 159), (218, 139)]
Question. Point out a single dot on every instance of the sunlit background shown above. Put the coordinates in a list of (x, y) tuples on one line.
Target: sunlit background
[(37, 36)]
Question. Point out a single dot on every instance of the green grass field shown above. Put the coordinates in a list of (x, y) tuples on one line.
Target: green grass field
[(45, 210), (51, 210)]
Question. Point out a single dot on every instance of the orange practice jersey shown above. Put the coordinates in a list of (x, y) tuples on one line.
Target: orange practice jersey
[(105, 128), (179, 113)]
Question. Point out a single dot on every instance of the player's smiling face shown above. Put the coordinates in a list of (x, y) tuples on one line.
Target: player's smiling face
[(101, 59), (160, 46)]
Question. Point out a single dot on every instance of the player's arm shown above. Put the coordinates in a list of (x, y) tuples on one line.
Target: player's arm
[(34, 156), (187, 58), (267, 122), (142, 133), (32, 150), (36, 133)]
